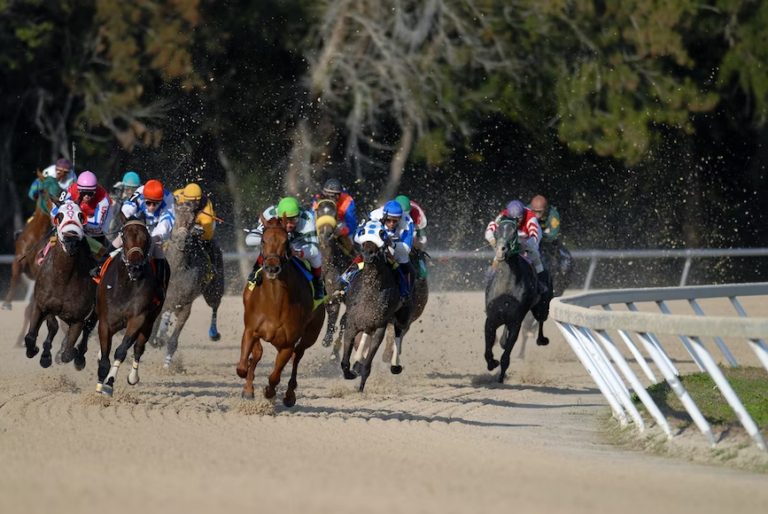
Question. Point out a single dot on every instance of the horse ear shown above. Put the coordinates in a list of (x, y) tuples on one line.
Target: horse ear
[(123, 219), (82, 218), (262, 219), (39, 174), (57, 219)]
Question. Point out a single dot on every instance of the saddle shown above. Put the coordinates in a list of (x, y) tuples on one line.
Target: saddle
[(305, 270)]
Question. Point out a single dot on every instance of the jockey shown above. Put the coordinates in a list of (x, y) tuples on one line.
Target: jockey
[(345, 209), (95, 204), (158, 207), (548, 218), (124, 189), (419, 218), (302, 234), (205, 217), (61, 171), (528, 236)]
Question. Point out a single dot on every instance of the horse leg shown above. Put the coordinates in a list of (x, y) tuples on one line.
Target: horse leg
[(82, 348), (246, 346), (337, 344), (332, 309), (173, 341), (35, 321), (135, 325), (138, 351), (513, 330), (490, 338), (213, 331), (105, 348), (46, 359), (541, 313), (389, 337), (349, 337), (308, 338), (374, 344), (256, 354), (160, 331), (16, 269), (283, 356), (397, 350), (69, 352)]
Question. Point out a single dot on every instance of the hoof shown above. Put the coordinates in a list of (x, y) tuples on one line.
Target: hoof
[(289, 401), (333, 356), (269, 394), (57, 357), (245, 396), (544, 341), (128, 378), (107, 390), (7, 306), (32, 352), (396, 370), (501, 378), (493, 364), (327, 342), (214, 336), (46, 360), (156, 343), (80, 363), (357, 367), (349, 375), (66, 357)]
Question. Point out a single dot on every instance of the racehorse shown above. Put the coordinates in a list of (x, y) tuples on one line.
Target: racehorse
[(336, 259), (372, 301), (64, 289), (194, 273), (420, 295), (281, 311), (126, 300), (25, 258), (510, 293)]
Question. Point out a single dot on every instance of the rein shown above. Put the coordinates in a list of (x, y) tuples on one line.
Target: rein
[(134, 249), (281, 258)]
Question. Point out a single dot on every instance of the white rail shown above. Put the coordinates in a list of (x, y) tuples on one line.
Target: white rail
[(585, 330)]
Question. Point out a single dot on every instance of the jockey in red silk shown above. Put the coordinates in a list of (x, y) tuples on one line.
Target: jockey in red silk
[(528, 235), (94, 202), (345, 206)]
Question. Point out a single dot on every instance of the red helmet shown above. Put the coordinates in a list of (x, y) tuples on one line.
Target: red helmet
[(153, 190)]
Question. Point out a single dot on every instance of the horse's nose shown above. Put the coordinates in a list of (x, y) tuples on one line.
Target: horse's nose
[(272, 270)]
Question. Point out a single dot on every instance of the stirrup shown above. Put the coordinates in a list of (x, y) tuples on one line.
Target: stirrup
[(95, 272)]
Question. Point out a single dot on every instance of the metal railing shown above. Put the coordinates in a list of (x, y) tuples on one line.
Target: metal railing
[(585, 330)]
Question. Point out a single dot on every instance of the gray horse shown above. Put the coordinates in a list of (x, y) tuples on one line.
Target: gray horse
[(194, 271)]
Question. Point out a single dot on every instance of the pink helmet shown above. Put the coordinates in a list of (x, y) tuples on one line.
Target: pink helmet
[(87, 181)]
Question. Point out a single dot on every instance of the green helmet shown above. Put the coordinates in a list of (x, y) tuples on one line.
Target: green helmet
[(289, 207), (404, 202)]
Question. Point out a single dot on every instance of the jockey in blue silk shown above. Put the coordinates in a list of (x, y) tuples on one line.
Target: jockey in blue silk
[(159, 209), (302, 235), (400, 229)]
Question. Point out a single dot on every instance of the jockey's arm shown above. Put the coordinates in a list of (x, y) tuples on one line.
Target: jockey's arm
[(95, 225), (350, 221), (254, 236), (129, 208), (163, 227), (553, 224), (206, 220), (306, 245), (490, 231), (34, 190), (404, 241)]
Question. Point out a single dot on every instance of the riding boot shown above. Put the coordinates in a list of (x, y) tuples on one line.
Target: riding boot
[(95, 272), (255, 277), (160, 278), (319, 284), (542, 280)]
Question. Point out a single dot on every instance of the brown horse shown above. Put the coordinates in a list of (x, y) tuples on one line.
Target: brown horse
[(64, 289), (281, 311), (25, 258), (126, 300), (194, 272), (337, 256)]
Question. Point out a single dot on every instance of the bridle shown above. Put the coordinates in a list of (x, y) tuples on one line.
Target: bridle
[(126, 253), (514, 247), (283, 259)]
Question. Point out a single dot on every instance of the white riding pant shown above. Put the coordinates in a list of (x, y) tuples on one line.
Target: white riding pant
[(531, 247)]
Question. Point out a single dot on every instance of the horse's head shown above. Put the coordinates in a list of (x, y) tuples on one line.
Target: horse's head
[(325, 216), (185, 220), (506, 240), (373, 238), (69, 223), (274, 247), (136, 245)]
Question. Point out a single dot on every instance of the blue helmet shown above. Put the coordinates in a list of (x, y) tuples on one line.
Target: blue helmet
[(393, 209), (131, 179), (515, 209)]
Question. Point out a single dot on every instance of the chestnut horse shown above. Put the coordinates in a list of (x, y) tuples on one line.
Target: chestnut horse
[(336, 259), (126, 300), (64, 289), (281, 311)]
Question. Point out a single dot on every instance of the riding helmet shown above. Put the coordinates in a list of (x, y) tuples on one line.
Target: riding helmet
[(64, 164), (131, 179), (288, 207), (332, 185), (539, 204), (515, 209), (87, 181), (393, 210), (404, 202), (153, 190), (193, 192)]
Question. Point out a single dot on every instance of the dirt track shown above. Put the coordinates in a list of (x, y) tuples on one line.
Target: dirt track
[(441, 437)]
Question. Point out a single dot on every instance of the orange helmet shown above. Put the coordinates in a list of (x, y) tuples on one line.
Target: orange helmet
[(153, 190), (539, 204)]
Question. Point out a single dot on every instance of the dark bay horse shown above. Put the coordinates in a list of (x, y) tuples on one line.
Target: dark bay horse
[(420, 295), (336, 259), (281, 311), (372, 301), (509, 295), (64, 289), (194, 273), (126, 300)]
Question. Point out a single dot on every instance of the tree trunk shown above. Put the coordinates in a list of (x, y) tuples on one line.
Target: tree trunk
[(298, 176), (398, 163), (9, 197), (238, 209)]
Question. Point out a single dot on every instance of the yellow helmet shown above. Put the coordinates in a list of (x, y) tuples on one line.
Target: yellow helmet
[(193, 192)]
